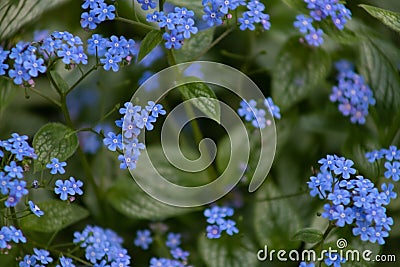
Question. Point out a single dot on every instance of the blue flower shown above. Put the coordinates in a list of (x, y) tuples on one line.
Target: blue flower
[(304, 264), (111, 62), (304, 24), (13, 170), (43, 256), (63, 188), (179, 254), (105, 12), (173, 39), (187, 27), (334, 259), (314, 37), (144, 120), (246, 22), (393, 170), (273, 109), (65, 262), (342, 215), (76, 186), (56, 166), (89, 20), (35, 209), (212, 16), (343, 167), (213, 231), (113, 142), (392, 153), (146, 4), (143, 239), (34, 65), (388, 191), (374, 155), (92, 4), (173, 240), (229, 226), (155, 109), (28, 261), (19, 74)]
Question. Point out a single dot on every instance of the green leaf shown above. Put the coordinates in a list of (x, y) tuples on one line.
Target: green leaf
[(53, 140), (127, 198), (299, 70), (57, 216), (195, 5), (297, 5), (192, 47), (60, 82), (389, 18), (203, 97), (217, 253), (275, 221), (383, 78), (150, 41), (308, 235), (16, 14)]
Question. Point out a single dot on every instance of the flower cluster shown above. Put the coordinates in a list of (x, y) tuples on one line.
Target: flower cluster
[(67, 188), (29, 59), (218, 10), (392, 163), (40, 257), (352, 93), (179, 25), (98, 11), (320, 10), (256, 116), (10, 234), (103, 247), (254, 14), (112, 51), (147, 4), (352, 200), (14, 154), (143, 240), (134, 120), (218, 222)]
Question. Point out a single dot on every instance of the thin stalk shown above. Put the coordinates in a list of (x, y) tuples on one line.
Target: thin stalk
[(214, 43), (55, 102), (81, 79), (136, 23)]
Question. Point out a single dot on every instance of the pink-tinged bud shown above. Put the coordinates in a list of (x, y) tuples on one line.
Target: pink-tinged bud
[(31, 83), (229, 16), (71, 199)]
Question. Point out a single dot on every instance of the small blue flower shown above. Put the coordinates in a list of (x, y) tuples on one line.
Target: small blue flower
[(212, 16), (343, 167), (173, 39), (34, 65), (187, 28), (105, 12), (111, 62), (179, 254), (76, 186), (63, 188), (43, 256), (155, 109), (56, 166), (273, 109), (65, 262), (246, 22), (213, 231), (143, 239), (334, 259), (89, 20), (35, 209), (146, 4), (304, 24), (13, 170), (314, 37), (28, 261), (304, 264), (144, 120), (173, 240), (113, 142), (393, 170), (229, 226)]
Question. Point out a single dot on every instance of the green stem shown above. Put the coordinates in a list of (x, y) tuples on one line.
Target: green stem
[(214, 43), (51, 239), (55, 102), (81, 79), (136, 23), (283, 196), (14, 217)]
